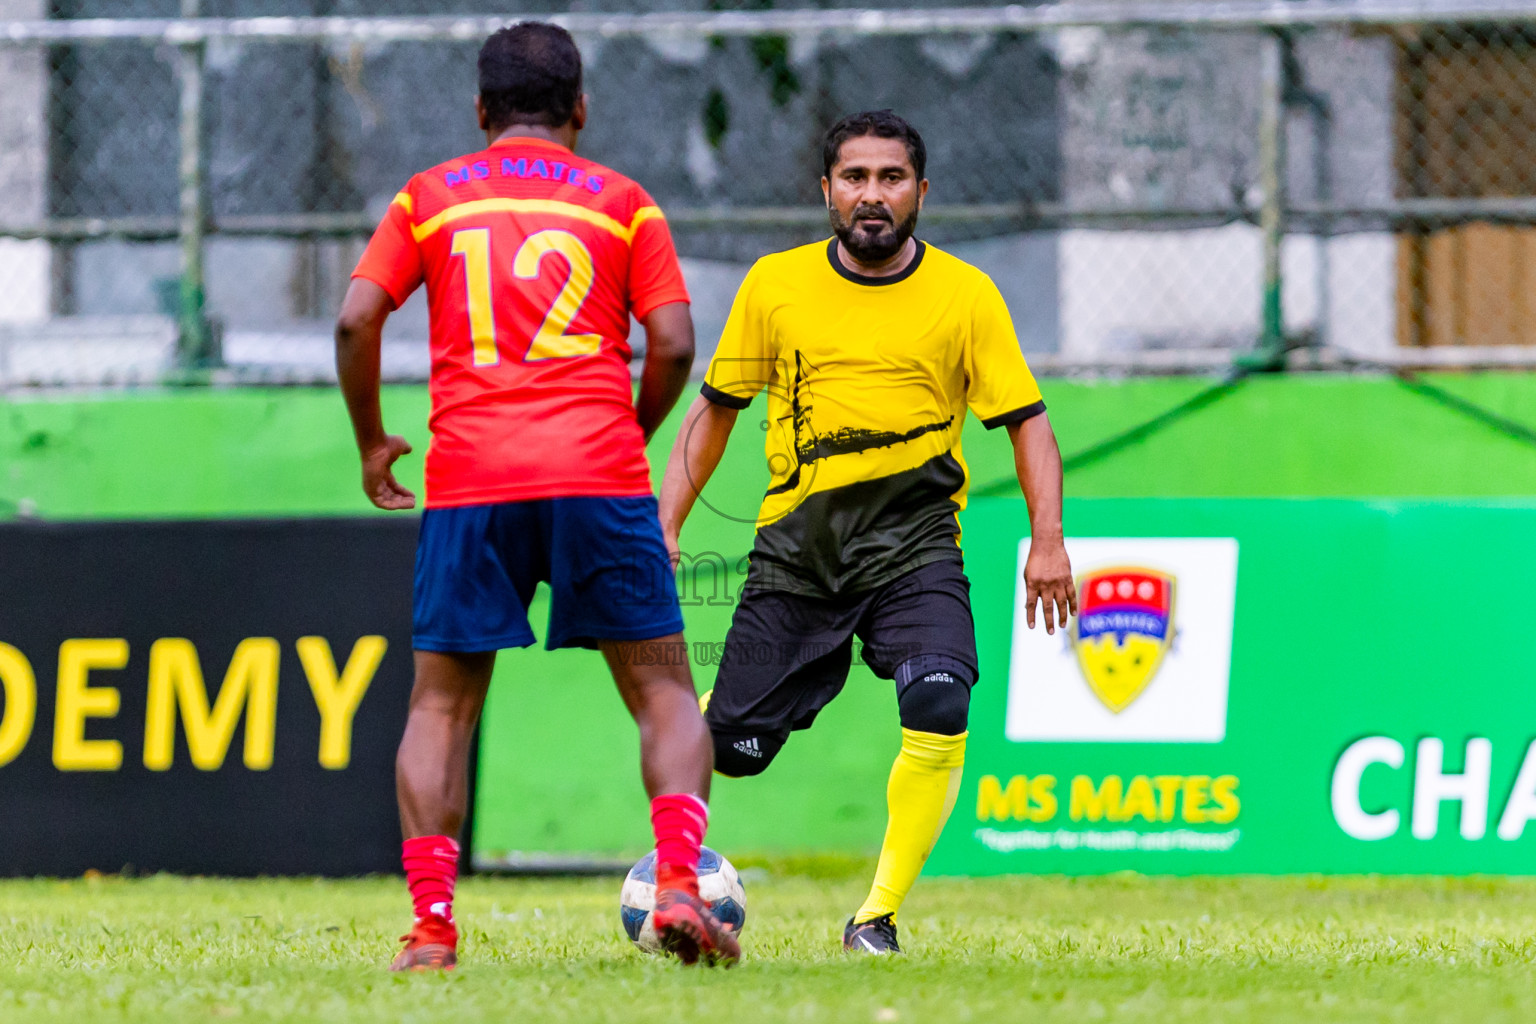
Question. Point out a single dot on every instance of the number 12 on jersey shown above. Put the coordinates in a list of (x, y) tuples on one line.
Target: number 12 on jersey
[(550, 341)]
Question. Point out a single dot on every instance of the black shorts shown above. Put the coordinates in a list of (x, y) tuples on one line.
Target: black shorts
[(786, 655)]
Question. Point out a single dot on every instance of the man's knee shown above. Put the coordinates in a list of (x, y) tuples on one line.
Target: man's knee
[(451, 687), (934, 694), (741, 754)]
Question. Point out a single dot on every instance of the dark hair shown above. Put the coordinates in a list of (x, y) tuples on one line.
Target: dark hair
[(884, 124), (530, 73)]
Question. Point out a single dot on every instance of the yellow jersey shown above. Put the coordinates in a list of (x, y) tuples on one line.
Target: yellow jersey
[(868, 381)]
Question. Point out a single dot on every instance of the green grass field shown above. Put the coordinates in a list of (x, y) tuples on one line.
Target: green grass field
[(1117, 948)]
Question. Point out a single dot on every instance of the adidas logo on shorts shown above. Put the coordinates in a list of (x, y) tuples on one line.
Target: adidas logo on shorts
[(748, 747)]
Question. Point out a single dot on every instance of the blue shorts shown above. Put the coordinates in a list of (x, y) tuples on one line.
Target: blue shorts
[(603, 558)]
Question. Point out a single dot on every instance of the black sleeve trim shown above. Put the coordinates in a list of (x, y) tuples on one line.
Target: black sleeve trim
[(1008, 419), (732, 401)]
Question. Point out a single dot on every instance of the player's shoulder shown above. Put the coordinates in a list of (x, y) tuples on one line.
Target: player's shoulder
[(433, 190), (791, 264), (610, 190), (441, 179), (614, 184), (952, 272)]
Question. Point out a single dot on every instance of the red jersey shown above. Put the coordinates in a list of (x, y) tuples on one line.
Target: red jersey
[(534, 259)]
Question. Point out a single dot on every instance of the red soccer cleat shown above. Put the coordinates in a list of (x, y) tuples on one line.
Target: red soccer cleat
[(432, 945), (688, 929)]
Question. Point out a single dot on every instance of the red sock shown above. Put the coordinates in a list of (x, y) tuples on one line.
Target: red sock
[(431, 867), (679, 821)]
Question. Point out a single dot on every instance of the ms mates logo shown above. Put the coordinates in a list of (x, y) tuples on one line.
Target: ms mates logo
[(1123, 629), (1147, 659)]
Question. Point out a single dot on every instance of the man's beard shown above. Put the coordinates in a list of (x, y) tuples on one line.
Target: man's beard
[(867, 247)]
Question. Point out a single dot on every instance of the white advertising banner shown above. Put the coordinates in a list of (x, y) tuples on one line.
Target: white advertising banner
[(1148, 657)]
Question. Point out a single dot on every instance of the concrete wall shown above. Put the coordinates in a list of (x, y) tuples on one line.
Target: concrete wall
[(1170, 119), (24, 266), (1095, 119)]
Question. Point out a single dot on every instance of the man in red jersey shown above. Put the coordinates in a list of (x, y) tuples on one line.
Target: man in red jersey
[(534, 260)]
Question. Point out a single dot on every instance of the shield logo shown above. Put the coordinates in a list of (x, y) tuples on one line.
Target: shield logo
[(1123, 629)]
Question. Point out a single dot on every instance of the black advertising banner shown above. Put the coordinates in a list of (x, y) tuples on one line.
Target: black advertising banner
[(203, 697)]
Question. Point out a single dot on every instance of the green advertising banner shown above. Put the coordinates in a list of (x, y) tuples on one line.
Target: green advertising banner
[(1378, 636), (1257, 686)]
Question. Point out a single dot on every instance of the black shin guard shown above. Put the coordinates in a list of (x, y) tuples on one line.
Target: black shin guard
[(934, 694), (740, 754)]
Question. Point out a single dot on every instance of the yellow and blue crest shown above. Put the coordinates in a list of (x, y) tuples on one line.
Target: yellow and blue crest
[(1122, 631)]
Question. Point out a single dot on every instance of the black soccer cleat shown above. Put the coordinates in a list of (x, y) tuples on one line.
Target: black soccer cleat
[(876, 937)]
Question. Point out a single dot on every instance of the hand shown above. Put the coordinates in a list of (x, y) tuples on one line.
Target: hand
[(1048, 579), (379, 481), (673, 549)]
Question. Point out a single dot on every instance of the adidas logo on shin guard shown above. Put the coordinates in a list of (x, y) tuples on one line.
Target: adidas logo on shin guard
[(748, 747)]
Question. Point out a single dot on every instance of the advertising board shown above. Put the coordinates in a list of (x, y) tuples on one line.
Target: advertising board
[(1257, 686), (203, 697)]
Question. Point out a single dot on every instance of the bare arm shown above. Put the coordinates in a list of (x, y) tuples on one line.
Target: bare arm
[(700, 444), (668, 360), (1048, 573), (359, 337)]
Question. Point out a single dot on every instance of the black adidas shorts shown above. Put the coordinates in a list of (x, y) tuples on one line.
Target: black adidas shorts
[(786, 655)]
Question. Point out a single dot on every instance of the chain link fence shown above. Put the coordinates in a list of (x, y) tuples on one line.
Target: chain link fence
[(1154, 187)]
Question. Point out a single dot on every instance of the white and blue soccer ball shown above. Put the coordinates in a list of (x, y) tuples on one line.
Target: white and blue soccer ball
[(719, 886)]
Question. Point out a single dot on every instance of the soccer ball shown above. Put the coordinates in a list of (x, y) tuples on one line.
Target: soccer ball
[(719, 886)]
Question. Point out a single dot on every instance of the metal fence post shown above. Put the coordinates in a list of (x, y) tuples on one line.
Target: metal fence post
[(196, 347), (1270, 354)]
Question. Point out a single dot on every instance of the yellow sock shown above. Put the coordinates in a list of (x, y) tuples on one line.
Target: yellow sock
[(924, 782)]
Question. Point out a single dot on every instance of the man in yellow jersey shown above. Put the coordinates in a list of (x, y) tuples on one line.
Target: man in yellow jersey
[(871, 346)]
